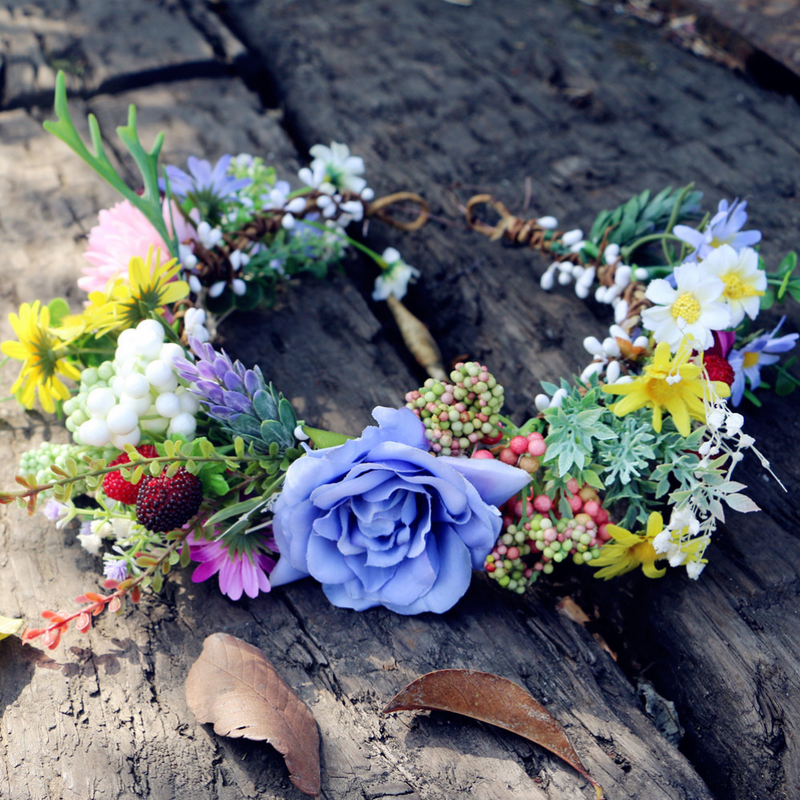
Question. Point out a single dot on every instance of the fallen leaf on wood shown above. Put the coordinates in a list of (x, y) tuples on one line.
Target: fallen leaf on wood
[(8, 627), (233, 686), (490, 698)]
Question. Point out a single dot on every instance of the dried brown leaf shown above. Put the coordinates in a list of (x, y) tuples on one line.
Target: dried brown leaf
[(233, 686), (490, 698)]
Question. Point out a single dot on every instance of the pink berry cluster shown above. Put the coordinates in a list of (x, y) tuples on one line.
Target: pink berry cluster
[(524, 452), (460, 414), (537, 537)]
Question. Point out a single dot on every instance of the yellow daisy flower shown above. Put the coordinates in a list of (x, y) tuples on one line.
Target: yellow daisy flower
[(125, 303), (38, 348), (672, 384), (627, 551)]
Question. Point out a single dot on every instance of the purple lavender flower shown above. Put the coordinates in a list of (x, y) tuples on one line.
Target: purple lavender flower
[(116, 569), (761, 352), (239, 398), (54, 510), (210, 184), (725, 227)]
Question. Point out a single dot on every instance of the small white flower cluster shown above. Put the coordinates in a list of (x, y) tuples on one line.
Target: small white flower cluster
[(142, 395), (684, 541), (607, 354), (395, 278)]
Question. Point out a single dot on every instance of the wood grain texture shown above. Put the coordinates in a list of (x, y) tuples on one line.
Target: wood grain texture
[(439, 99)]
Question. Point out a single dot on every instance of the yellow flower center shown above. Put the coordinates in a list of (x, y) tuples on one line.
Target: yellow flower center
[(687, 307), (750, 360), (736, 288)]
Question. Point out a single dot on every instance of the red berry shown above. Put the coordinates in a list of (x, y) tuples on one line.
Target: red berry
[(718, 369), (116, 487), (507, 456), (518, 445), (573, 486), (537, 447), (482, 454), (591, 508), (165, 504), (489, 441), (491, 567), (542, 503), (575, 503)]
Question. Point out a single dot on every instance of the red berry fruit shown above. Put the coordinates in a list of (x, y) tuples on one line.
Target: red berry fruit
[(718, 369), (116, 487), (165, 504)]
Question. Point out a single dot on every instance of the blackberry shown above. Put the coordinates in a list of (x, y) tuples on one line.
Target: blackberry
[(164, 504)]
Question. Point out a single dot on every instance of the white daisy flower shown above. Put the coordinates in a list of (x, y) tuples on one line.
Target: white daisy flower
[(744, 282), (692, 310), (396, 278), (334, 166)]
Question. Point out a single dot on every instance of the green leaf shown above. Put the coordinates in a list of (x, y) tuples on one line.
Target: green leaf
[(767, 299), (59, 308), (237, 509), (323, 439), (216, 484)]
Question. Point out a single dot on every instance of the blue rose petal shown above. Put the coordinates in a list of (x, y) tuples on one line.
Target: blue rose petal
[(380, 521)]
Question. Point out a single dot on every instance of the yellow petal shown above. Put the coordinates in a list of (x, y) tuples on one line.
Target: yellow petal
[(655, 524), (15, 350), (8, 626), (176, 290), (649, 569)]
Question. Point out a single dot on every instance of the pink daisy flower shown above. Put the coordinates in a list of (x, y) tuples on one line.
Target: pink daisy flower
[(238, 574), (124, 232)]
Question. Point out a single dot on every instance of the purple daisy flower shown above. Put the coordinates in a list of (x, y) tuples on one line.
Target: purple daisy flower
[(204, 180), (725, 227), (239, 572), (761, 352)]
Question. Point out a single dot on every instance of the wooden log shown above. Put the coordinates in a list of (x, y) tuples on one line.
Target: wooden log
[(591, 109)]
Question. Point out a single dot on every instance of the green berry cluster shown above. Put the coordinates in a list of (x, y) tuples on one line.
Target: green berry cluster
[(39, 462), (460, 414)]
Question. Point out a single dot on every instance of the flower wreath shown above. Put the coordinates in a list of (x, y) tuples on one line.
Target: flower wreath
[(189, 456)]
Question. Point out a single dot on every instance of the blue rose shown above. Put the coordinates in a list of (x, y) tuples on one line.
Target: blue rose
[(380, 521)]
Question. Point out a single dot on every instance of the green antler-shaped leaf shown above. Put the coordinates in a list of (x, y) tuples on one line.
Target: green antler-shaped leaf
[(149, 203)]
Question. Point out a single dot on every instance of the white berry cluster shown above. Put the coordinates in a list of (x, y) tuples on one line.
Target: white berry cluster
[(143, 396)]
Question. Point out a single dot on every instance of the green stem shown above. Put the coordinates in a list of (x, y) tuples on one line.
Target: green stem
[(651, 237), (342, 235)]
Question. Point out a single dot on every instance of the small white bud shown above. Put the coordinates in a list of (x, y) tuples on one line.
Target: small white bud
[(641, 341), (542, 402), (612, 372), (611, 348), (582, 290), (150, 327), (611, 253), (548, 223), (641, 274), (592, 345), (239, 287), (622, 276), (216, 289), (368, 194), (558, 398), (572, 237), (299, 433), (547, 281), (621, 311), (564, 278)]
